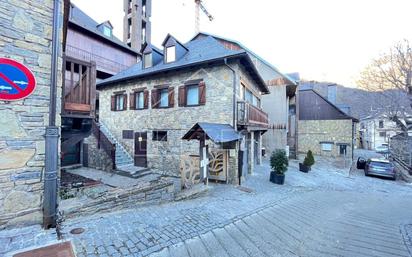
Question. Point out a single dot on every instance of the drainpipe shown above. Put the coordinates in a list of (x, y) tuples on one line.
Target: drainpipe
[(52, 133), (240, 157)]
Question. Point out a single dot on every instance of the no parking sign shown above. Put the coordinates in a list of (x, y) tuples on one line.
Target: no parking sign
[(16, 80)]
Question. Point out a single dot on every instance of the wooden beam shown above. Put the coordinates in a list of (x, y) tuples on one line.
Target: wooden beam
[(77, 107)]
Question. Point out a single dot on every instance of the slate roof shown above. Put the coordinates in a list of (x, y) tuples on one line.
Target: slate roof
[(218, 133), (291, 79), (81, 19), (200, 51)]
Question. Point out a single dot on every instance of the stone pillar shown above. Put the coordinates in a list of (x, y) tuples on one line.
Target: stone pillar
[(252, 153)]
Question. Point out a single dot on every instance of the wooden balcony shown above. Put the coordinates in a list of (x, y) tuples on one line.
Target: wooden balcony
[(250, 115), (102, 63), (79, 90)]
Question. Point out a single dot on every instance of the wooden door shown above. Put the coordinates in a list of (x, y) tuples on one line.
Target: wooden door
[(140, 149)]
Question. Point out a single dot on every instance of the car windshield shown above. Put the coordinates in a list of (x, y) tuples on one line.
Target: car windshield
[(381, 164)]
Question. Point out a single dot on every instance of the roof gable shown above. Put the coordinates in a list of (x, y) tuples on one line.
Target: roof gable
[(313, 106)]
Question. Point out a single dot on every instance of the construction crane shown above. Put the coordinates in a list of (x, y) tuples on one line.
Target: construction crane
[(199, 5)]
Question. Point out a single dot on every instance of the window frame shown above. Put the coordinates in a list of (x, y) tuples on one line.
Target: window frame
[(326, 149), (136, 99), (117, 97), (107, 29), (167, 54), (157, 138), (187, 87), (166, 92), (145, 63), (381, 122)]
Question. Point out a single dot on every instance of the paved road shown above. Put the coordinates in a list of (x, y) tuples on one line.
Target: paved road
[(328, 223), (327, 212)]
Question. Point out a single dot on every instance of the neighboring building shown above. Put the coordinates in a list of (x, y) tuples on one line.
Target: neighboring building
[(25, 36), (207, 88), (376, 130), (137, 28), (281, 107), (91, 53), (323, 127)]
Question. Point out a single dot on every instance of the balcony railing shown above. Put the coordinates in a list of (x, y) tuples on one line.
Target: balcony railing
[(101, 62), (250, 115)]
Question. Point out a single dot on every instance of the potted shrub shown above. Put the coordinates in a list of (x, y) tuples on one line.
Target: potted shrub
[(279, 163), (307, 162)]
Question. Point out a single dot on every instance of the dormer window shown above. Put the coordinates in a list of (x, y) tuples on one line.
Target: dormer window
[(170, 54), (147, 60), (107, 31)]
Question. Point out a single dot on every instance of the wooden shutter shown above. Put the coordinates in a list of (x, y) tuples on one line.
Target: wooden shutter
[(182, 96), (132, 105), (155, 98), (113, 103), (124, 102), (171, 96), (146, 99), (202, 93)]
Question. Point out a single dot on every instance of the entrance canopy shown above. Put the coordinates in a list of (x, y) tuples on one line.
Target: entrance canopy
[(218, 133)]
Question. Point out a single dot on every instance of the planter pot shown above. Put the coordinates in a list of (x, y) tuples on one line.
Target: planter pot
[(304, 168), (277, 178)]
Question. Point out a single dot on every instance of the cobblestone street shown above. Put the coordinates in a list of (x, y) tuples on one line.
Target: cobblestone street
[(322, 213)]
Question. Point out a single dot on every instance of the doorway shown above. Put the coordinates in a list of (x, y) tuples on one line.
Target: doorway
[(140, 149)]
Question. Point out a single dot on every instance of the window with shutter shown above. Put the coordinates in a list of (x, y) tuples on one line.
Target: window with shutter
[(139, 101), (119, 102), (113, 103)]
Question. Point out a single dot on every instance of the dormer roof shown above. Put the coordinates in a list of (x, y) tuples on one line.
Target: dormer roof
[(106, 23), (170, 40)]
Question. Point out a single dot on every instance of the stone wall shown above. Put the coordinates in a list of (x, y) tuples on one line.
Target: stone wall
[(312, 132), (25, 36), (97, 158), (401, 152), (106, 199), (177, 120)]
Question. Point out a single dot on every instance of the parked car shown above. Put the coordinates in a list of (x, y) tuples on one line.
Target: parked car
[(384, 149), (378, 167)]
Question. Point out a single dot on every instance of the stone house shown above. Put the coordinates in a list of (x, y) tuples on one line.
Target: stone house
[(205, 88), (280, 104), (26, 37), (323, 127), (376, 130)]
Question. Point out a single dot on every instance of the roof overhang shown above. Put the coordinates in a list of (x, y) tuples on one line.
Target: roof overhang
[(218, 133)]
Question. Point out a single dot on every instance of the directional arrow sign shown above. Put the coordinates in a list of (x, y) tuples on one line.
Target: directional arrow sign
[(16, 80)]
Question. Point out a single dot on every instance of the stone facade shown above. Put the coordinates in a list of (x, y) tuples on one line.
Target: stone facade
[(25, 36), (313, 132), (165, 155), (97, 158)]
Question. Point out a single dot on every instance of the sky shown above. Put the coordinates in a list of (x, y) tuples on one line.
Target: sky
[(323, 40)]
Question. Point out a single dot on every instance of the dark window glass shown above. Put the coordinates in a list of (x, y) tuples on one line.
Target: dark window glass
[(159, 135)]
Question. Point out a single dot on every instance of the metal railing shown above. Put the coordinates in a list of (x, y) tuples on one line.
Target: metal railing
[(248, 114), (101, 62)]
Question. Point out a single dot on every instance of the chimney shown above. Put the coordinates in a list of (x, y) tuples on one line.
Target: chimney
[(332, 93)]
